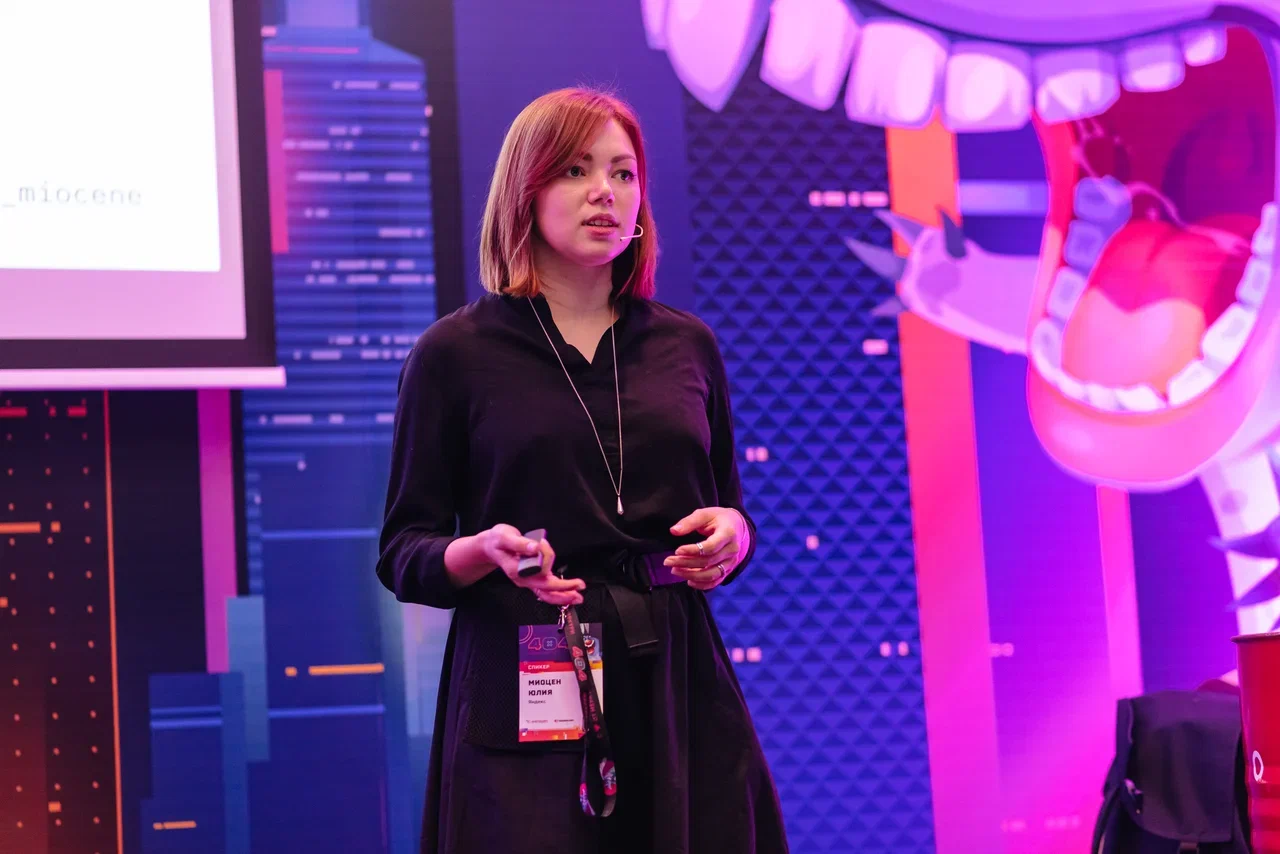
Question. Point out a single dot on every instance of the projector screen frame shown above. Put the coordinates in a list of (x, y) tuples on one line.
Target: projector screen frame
[(190, 363)]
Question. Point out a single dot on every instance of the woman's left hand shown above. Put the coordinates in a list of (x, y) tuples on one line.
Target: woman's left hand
[(706, 564)]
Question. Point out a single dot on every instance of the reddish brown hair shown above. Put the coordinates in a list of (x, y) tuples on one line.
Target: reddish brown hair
[(547, 138)]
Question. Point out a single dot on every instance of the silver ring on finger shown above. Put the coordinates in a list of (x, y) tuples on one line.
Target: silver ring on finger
[(700, 551), (723, 569)]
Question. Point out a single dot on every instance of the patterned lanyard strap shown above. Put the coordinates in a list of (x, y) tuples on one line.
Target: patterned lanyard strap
[(598, 786)]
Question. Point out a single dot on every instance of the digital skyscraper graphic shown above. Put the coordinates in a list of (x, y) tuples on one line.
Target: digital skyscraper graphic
[(317, 738)]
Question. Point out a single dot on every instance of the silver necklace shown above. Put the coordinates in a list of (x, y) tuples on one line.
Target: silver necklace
[(613, 343)]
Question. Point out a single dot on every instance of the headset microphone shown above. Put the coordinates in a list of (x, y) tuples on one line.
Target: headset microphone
[(639, 233)]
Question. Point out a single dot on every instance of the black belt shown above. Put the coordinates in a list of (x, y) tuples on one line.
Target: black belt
[(629, 579), (598, 785)]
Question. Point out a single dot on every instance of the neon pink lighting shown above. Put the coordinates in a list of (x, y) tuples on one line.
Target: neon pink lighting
[(284, 48), (217, 521), (273, 86), (1124, 649), (93, 379)]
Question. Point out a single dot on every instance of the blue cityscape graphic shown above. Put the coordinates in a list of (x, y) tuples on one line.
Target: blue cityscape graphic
[(317, 740)]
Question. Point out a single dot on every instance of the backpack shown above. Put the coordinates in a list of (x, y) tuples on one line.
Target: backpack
[(1177, 783)]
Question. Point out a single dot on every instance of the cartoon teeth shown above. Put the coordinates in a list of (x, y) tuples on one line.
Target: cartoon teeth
[(897, 74), (808, 49), (710, 68), (895, 71), (1104, 201), (1254, 282), (1264, 239), (1224, 340), (1075, 84), (1203, 45), (1139, 398), (1152, 65), (1068, 286), (988, 88), (1191, 382)]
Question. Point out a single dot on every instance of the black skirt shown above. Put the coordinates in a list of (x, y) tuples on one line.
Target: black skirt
[(692, 778)]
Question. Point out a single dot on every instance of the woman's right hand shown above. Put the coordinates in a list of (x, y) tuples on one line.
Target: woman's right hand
[(504, 546)]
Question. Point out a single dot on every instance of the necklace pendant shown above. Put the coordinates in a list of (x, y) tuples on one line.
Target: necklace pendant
[(619, 505)]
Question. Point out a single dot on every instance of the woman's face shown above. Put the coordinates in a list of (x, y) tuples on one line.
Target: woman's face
[(587, 214)]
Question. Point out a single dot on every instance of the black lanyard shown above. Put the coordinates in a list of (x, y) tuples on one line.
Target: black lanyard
[(598, 788)]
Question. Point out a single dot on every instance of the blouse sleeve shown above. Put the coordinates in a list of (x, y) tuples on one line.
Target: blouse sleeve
[(420, 520), (724, 459)]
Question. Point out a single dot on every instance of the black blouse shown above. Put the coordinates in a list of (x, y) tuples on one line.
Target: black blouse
[(488, 430)]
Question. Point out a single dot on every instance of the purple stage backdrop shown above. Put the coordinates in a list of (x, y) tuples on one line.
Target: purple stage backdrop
[(1002, 355)]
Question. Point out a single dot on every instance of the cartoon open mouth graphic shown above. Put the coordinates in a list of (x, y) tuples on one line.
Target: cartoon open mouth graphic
[(1149, 319), (1151, 310)]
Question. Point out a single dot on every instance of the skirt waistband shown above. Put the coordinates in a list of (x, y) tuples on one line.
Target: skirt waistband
[(641, 572), (628, 578)]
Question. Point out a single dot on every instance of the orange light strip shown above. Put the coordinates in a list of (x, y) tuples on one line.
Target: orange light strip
[(951, 583), (345, 669), (174, 825), (13, 412), (111, 593), (19, 527)]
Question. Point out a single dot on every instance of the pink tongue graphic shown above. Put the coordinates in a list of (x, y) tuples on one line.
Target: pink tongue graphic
[(1153, 292)]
